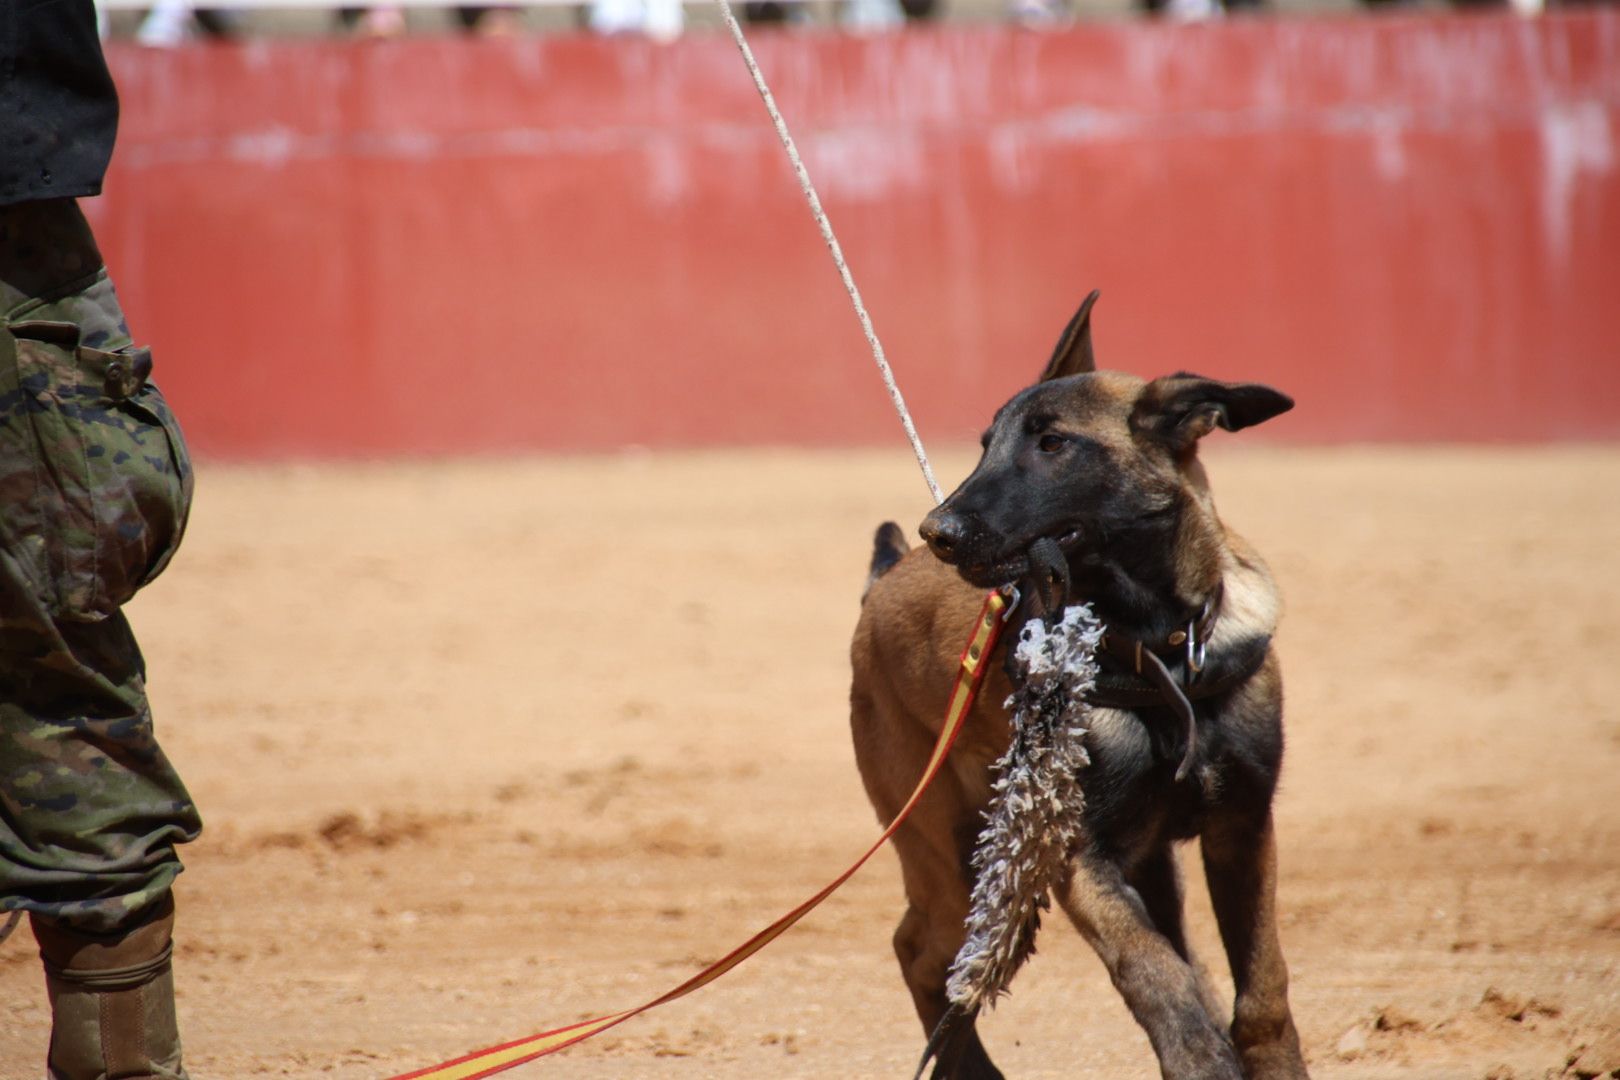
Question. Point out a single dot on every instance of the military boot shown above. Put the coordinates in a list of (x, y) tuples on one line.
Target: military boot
[(112, 1000)]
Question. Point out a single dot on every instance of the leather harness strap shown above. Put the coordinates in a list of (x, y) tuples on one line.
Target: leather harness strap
[(1144, 679), (1177, 700)]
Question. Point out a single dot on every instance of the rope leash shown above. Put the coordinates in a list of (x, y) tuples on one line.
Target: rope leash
[(969, 676), (837, 252), (998, 605)]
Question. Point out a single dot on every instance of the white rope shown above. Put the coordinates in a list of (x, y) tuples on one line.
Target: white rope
[(832, 245)]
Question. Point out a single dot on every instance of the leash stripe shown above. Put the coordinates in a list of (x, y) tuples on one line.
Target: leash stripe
[(969, 677)]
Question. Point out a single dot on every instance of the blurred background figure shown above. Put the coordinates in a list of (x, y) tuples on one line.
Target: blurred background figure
[(379, 20), (388, 20), (873, 14), (172, 21), (1054, 12), (859, 15), (662, 20), (1200, 9), (765, 12), (496, 21)]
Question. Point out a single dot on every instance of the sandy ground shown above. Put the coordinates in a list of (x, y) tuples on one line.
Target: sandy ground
[(486, 748)]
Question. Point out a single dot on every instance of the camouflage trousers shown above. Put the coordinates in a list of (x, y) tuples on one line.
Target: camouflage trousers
[(95, 486)]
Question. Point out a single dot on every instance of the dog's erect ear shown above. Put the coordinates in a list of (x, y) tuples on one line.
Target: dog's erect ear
[(1073, 354), (1181, 409)]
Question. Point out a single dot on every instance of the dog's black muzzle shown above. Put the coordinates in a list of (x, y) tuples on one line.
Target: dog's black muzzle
[(979, 554), (987, 559)]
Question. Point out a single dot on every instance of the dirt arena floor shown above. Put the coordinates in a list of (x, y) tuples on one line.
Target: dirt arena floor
[(486, 748)]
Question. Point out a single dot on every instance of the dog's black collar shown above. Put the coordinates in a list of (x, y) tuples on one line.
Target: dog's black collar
[(1190, 642)]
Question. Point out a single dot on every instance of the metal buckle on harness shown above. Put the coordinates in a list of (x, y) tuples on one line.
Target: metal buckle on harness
[(1195, 649), (1013, 597)]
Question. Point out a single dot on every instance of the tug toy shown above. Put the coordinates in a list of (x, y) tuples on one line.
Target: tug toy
[(1034, 819)]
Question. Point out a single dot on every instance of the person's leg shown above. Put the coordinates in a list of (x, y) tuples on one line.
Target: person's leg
[(96, 485), (112, 999)]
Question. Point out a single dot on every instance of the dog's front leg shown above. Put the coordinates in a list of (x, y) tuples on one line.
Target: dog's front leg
[(1160, 988), (1240, 863), (1157, 881)]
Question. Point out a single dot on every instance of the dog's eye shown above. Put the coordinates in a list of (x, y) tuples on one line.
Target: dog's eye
[(1051, 444)]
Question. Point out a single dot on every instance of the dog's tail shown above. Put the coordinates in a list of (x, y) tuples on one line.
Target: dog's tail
[(887, 548)]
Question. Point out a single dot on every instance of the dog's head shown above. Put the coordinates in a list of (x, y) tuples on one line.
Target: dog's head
[(1087, 458)]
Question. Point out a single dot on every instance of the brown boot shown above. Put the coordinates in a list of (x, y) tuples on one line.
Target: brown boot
[(112, 1000)]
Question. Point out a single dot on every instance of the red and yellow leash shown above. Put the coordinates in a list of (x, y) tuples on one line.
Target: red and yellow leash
[(969, 676)]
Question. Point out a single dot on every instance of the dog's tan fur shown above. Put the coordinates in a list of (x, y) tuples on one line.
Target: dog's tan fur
[(1123, 893)]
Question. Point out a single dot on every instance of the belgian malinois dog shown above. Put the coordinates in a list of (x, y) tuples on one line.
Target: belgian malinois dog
[(1185, 738)]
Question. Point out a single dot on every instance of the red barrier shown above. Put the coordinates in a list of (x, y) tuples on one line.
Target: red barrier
[(1410, 223)]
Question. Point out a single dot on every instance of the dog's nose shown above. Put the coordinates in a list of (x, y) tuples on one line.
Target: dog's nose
[(943, 532)]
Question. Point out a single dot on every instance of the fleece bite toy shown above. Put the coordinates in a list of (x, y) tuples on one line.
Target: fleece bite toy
[(1033, 821)]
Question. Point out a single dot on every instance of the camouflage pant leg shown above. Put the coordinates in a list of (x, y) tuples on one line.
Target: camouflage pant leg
[(95, 485)]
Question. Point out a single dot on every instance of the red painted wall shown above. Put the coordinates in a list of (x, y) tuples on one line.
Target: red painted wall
[(1410, 223)]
